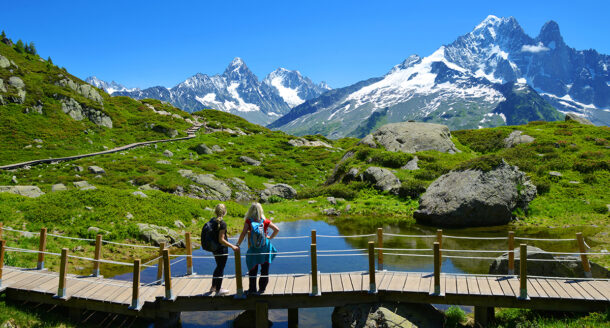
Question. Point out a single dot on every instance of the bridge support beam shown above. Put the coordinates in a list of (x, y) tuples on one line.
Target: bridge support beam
[(262, 315), (483, 315), (293, 318)]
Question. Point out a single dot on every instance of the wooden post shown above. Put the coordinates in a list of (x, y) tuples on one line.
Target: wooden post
[(380, 250), (97, 255), (293, 317), (239, 293), (373, 286), (41, 248), (63, 268), (523, 269), (583, 256), (160, 265), (313, 237), (483, 315), (314, 271), (167, 275), (437, 269), (511, 252), (135, 295), (2, 246), (439, 240), (262, 312), (189, 253), (1, 229)]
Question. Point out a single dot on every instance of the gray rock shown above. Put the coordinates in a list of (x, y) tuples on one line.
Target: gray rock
[(411, 165), (178, 224), (96, 170), (382, 179), (212, 187), (241, 191), (313, 202), (577, 118), (85, 90), (139, 194), (168, 153), (97, 230), (27, 191), (331, 200), (58, 187), (14, 180), (217, 149), (203, 149), (411, 137), (281, 190), (368, 140), (16, 82), (157, 235), (387, 315), (517, 137), (554, 266), (162, 161), (79, 169), (84, 185), (555, 174), (78, 112), (172, 133), (147, 187), (336, 176), (2, 87), (250, 161), (129, 216), (331, 212), (302, 142), (475, 198), (89, 208), (4, 63)]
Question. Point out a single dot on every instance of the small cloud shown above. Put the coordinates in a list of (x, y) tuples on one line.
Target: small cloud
[(534, 48)]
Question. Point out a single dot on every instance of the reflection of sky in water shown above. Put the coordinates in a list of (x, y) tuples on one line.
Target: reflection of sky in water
[(320, 317)]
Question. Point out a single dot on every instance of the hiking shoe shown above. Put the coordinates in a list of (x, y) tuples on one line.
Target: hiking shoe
[(222, 292)]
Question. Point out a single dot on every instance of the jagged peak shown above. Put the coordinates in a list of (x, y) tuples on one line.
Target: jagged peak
[(550, 32)]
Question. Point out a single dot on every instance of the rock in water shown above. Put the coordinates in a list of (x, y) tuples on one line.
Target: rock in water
[(475, 198), (382, 179), (387, 315), (517, 137), (27, 191), (411, 137), (579, 119), (281, 190)]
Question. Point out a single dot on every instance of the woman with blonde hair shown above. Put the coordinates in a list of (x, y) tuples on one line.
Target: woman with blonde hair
[(260, 250), (221, 253)]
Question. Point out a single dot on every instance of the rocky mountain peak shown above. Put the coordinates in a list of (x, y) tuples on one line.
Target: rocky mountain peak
[(550, 33), (238, 70)]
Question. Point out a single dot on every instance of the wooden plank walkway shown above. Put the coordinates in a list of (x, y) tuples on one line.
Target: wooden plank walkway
[(292, 290)]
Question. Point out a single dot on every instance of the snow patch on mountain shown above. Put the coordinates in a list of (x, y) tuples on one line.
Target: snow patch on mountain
[(109, 87)]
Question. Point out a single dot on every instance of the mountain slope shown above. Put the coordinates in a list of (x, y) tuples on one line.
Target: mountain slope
[(293, 87), (471, 83), (109, 87), (47, 112)]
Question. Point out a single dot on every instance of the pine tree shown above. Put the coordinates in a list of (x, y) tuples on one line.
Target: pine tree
[(26, 48), (19, 46), (49, 60), (32, 49), (3, 35)]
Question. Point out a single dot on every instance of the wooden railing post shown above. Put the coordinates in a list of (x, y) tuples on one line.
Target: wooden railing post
[(239, 293), (313, 237), (262, 315), (523, 272), (63, 268), (314, 271), (1, 230), (189, 253), (583, 257), (160, 265), (135, 294), (167, 275), (373, 285), (380, 249), (511, 252), (439, 240), (97, 256), (437, 268), (2, 246), (41, 248)]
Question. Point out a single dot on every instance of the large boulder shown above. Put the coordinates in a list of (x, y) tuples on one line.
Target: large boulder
[(78, 112), (281, 190), (382, 179), (212, 187), (156, 235), (302, 142), (411, 137), (203, 149), (475, 198), (577, 118), (387, 315), (96, 169), (517, 137), (551, 266), (27, 191), (4, 63), (250, 161)]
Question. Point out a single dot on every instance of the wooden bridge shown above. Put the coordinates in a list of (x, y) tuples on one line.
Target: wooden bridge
[(164, 299)]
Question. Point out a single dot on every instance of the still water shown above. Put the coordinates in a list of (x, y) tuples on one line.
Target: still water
[(321, 317)]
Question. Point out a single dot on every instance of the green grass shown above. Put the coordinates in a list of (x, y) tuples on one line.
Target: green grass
[(520, 318)]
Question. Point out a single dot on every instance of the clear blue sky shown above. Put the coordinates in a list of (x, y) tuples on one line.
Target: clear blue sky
[(146, 43)]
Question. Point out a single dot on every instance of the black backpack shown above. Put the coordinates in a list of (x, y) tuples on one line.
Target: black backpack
[(209, 236)]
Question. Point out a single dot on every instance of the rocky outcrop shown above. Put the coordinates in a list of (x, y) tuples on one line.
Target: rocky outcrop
[(171, 133), (17, 83), (58, 187), (96, 169), (475, 198), (411, 165), (517, 137), (156, 235), (85, 90), (302, 142), (241, 191), (27, 191), (203, 149), (212, 188), (4, 63), (576, 118), (394, 315), (382, 179), (78, 113), (250, 161), (84, 185), (281, 190), (336, 176), (411, 137), (552, 266)]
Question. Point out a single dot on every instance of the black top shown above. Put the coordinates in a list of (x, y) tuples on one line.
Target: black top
[(221, 226)]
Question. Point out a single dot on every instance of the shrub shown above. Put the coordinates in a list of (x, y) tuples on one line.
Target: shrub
[(143, 179), (601, 141), (592, 155), (275, 199), (210, 167), (537, 123), (454, 316), (425, 175), (390, 159), (563, 132), (484, 163), (483, 141), (588, 165), (543, 186), (411, 189)]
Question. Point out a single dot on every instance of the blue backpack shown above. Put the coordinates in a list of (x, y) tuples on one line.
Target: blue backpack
[(258, 239)]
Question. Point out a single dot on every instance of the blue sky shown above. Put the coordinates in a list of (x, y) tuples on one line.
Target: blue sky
[(146, 43)]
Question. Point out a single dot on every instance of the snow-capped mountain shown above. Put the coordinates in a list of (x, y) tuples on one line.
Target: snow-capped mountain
[(110, 87), (293, 87), (494, 75), (237, 91)]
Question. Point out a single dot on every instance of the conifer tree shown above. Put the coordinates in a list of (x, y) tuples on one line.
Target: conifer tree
[(49, 60), (3, 35), (19, 46), (32, 49)]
